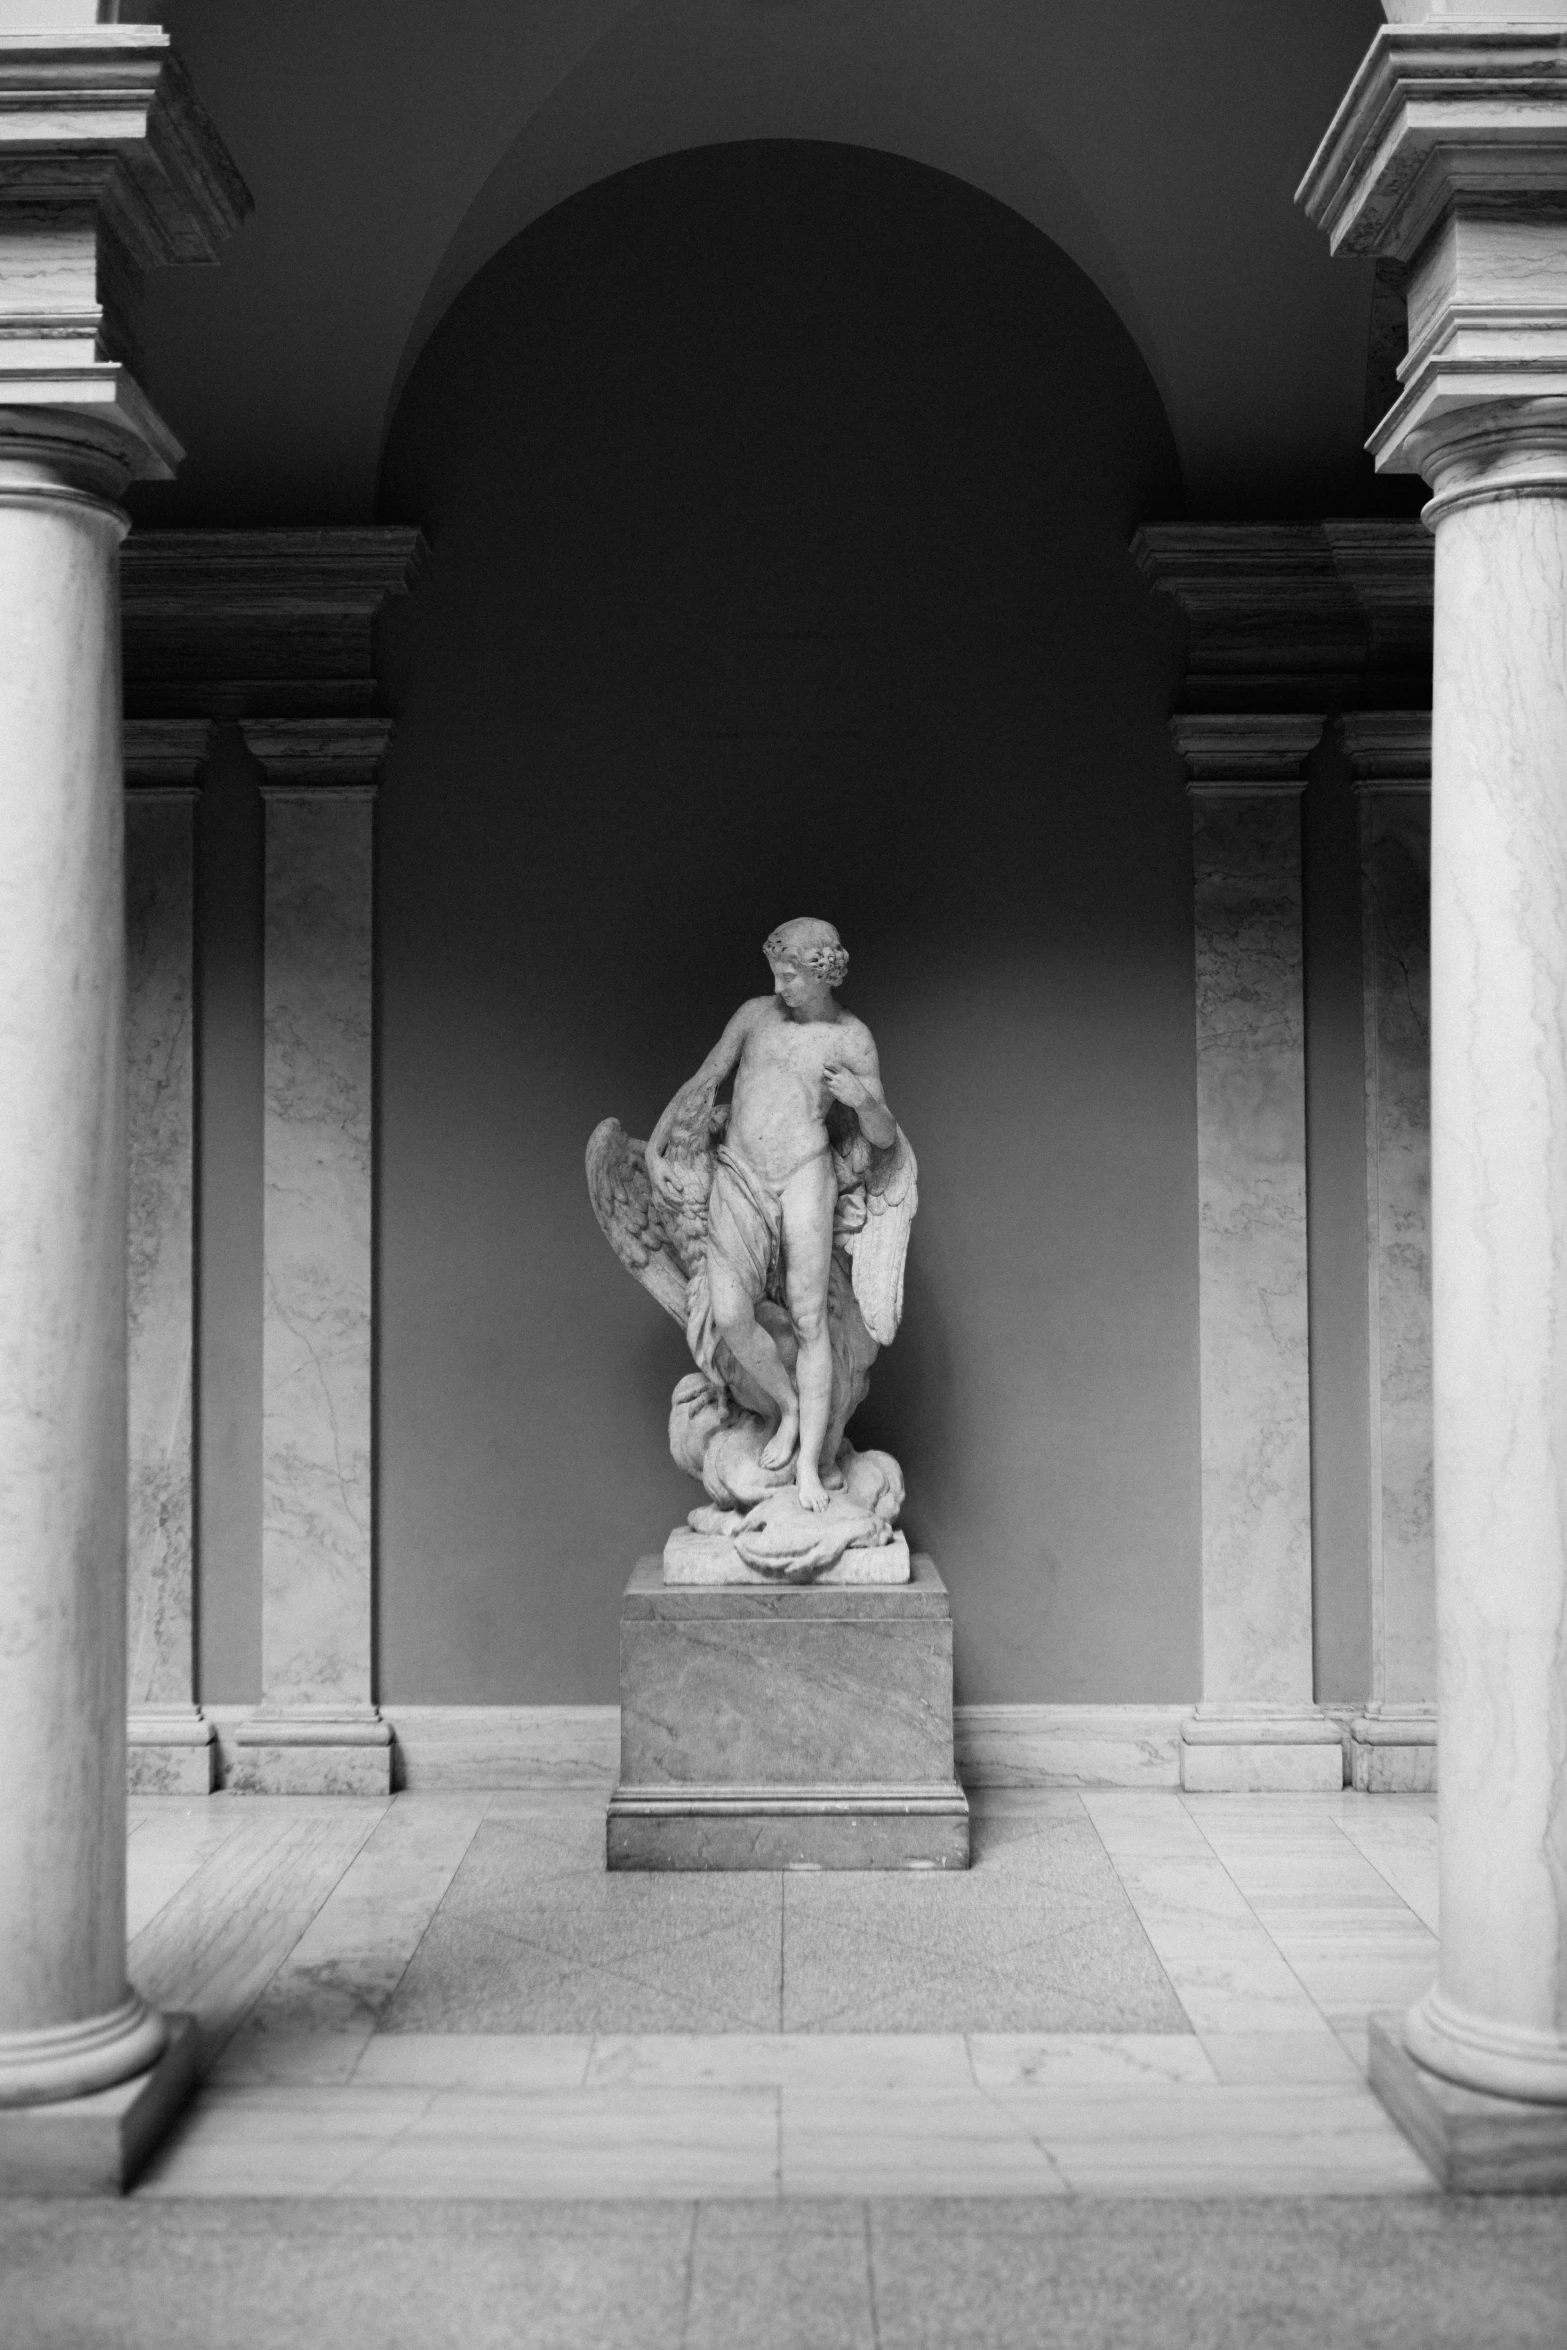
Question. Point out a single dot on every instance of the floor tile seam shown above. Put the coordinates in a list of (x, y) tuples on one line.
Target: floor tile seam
[(280, 1828), (1128, 1897), (1051, 2161), (306, 1923), (1372, 1862), (870, 2275), (1283, 1957), (387, 2003)]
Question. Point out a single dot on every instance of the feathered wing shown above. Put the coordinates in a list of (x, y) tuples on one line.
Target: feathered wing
[(882, 1245), (644, 1233)]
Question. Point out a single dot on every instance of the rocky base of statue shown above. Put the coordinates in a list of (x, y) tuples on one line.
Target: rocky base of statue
[(754, 1528)]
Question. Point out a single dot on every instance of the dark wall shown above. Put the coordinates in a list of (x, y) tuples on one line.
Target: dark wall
[(779, 498)]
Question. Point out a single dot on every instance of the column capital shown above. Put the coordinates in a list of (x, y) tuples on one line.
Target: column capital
[(1246, 751), (1449, 153), (109, 166)]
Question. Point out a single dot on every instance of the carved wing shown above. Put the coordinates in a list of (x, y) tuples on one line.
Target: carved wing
[(641, 1230), (882, 1244)]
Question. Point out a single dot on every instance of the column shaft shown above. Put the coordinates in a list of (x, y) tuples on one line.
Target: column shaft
[(1499, 1210), (68, 2023)]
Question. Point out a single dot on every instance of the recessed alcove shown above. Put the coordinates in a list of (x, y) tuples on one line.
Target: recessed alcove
[(779, 497)]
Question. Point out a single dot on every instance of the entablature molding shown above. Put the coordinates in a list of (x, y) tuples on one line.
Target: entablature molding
[(239, 624), (1332, 613)]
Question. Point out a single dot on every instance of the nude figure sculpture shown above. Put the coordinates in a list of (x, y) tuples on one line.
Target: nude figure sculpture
[(774, 1228)]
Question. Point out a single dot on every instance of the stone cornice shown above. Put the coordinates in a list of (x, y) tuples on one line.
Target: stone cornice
[(259, 623), (1332, 612), (1437, 112), (106, 116)]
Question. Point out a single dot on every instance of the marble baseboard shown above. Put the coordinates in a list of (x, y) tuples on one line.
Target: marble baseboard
[(170, 1754), (485, 1747), (809, 1828), (1233, 1754), (96, 2145), (1389, 1756), (280, 1754), (1472, 2143), (1069, 1745)]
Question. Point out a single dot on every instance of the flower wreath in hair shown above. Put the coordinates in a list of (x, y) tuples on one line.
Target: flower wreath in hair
[(829, 963)]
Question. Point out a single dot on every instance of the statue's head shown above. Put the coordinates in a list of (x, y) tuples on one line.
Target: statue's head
[(810, 947)]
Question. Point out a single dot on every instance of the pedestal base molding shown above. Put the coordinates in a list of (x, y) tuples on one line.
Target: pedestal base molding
[(1393, 1754), (768, 1727), (1240, 1753), (1475, 2144), (96, 2145), (174, 1753), (312, 1754)]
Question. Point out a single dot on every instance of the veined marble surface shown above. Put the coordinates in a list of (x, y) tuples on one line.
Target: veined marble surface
[(316, 1522), (1499, 1184), (1251, 1154), (1395, 837), (160, 1063)]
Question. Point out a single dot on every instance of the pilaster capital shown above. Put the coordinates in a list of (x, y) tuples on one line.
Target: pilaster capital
[(318, 754), (109, 166), (1449, 153), (1246, 753), (1388, 750), (165, 753)]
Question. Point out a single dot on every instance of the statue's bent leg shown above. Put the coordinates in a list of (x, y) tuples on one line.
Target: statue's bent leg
[(734, 1313), (808, 1200)]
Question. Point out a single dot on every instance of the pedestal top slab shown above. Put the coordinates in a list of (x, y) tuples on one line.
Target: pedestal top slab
[(925, 1594)]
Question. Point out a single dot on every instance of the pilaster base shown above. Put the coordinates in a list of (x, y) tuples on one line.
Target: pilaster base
[(96, 2145), (1240, 1751), (1474, 2144), (172, 1753), (305, 1753), (1394, 1753)]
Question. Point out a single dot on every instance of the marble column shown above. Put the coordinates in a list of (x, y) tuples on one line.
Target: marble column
[(110, 167), (1393, 1742), (1256, 1726), (171, 1746), (1450, 153), (317, 1730)]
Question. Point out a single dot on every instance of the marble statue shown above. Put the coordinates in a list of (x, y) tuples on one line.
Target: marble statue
[(774, 1229)]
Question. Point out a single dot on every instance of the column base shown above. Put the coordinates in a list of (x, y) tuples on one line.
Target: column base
[(1477, 2052), (73, 2060), (1392, 1750), (172, 1752), (1473, 2143), (1243, 1750), (96, 2145), (306, 1752)]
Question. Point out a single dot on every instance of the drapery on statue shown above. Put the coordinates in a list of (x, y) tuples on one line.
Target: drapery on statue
[(774, 1229)]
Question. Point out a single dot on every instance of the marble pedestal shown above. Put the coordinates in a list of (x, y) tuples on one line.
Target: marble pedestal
[(777, 1727)]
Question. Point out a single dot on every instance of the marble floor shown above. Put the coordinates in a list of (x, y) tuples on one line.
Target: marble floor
[(1130, 1994)]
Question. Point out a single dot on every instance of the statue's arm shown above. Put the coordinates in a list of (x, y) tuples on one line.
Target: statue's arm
[(853, 1077), (695, 1097)]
